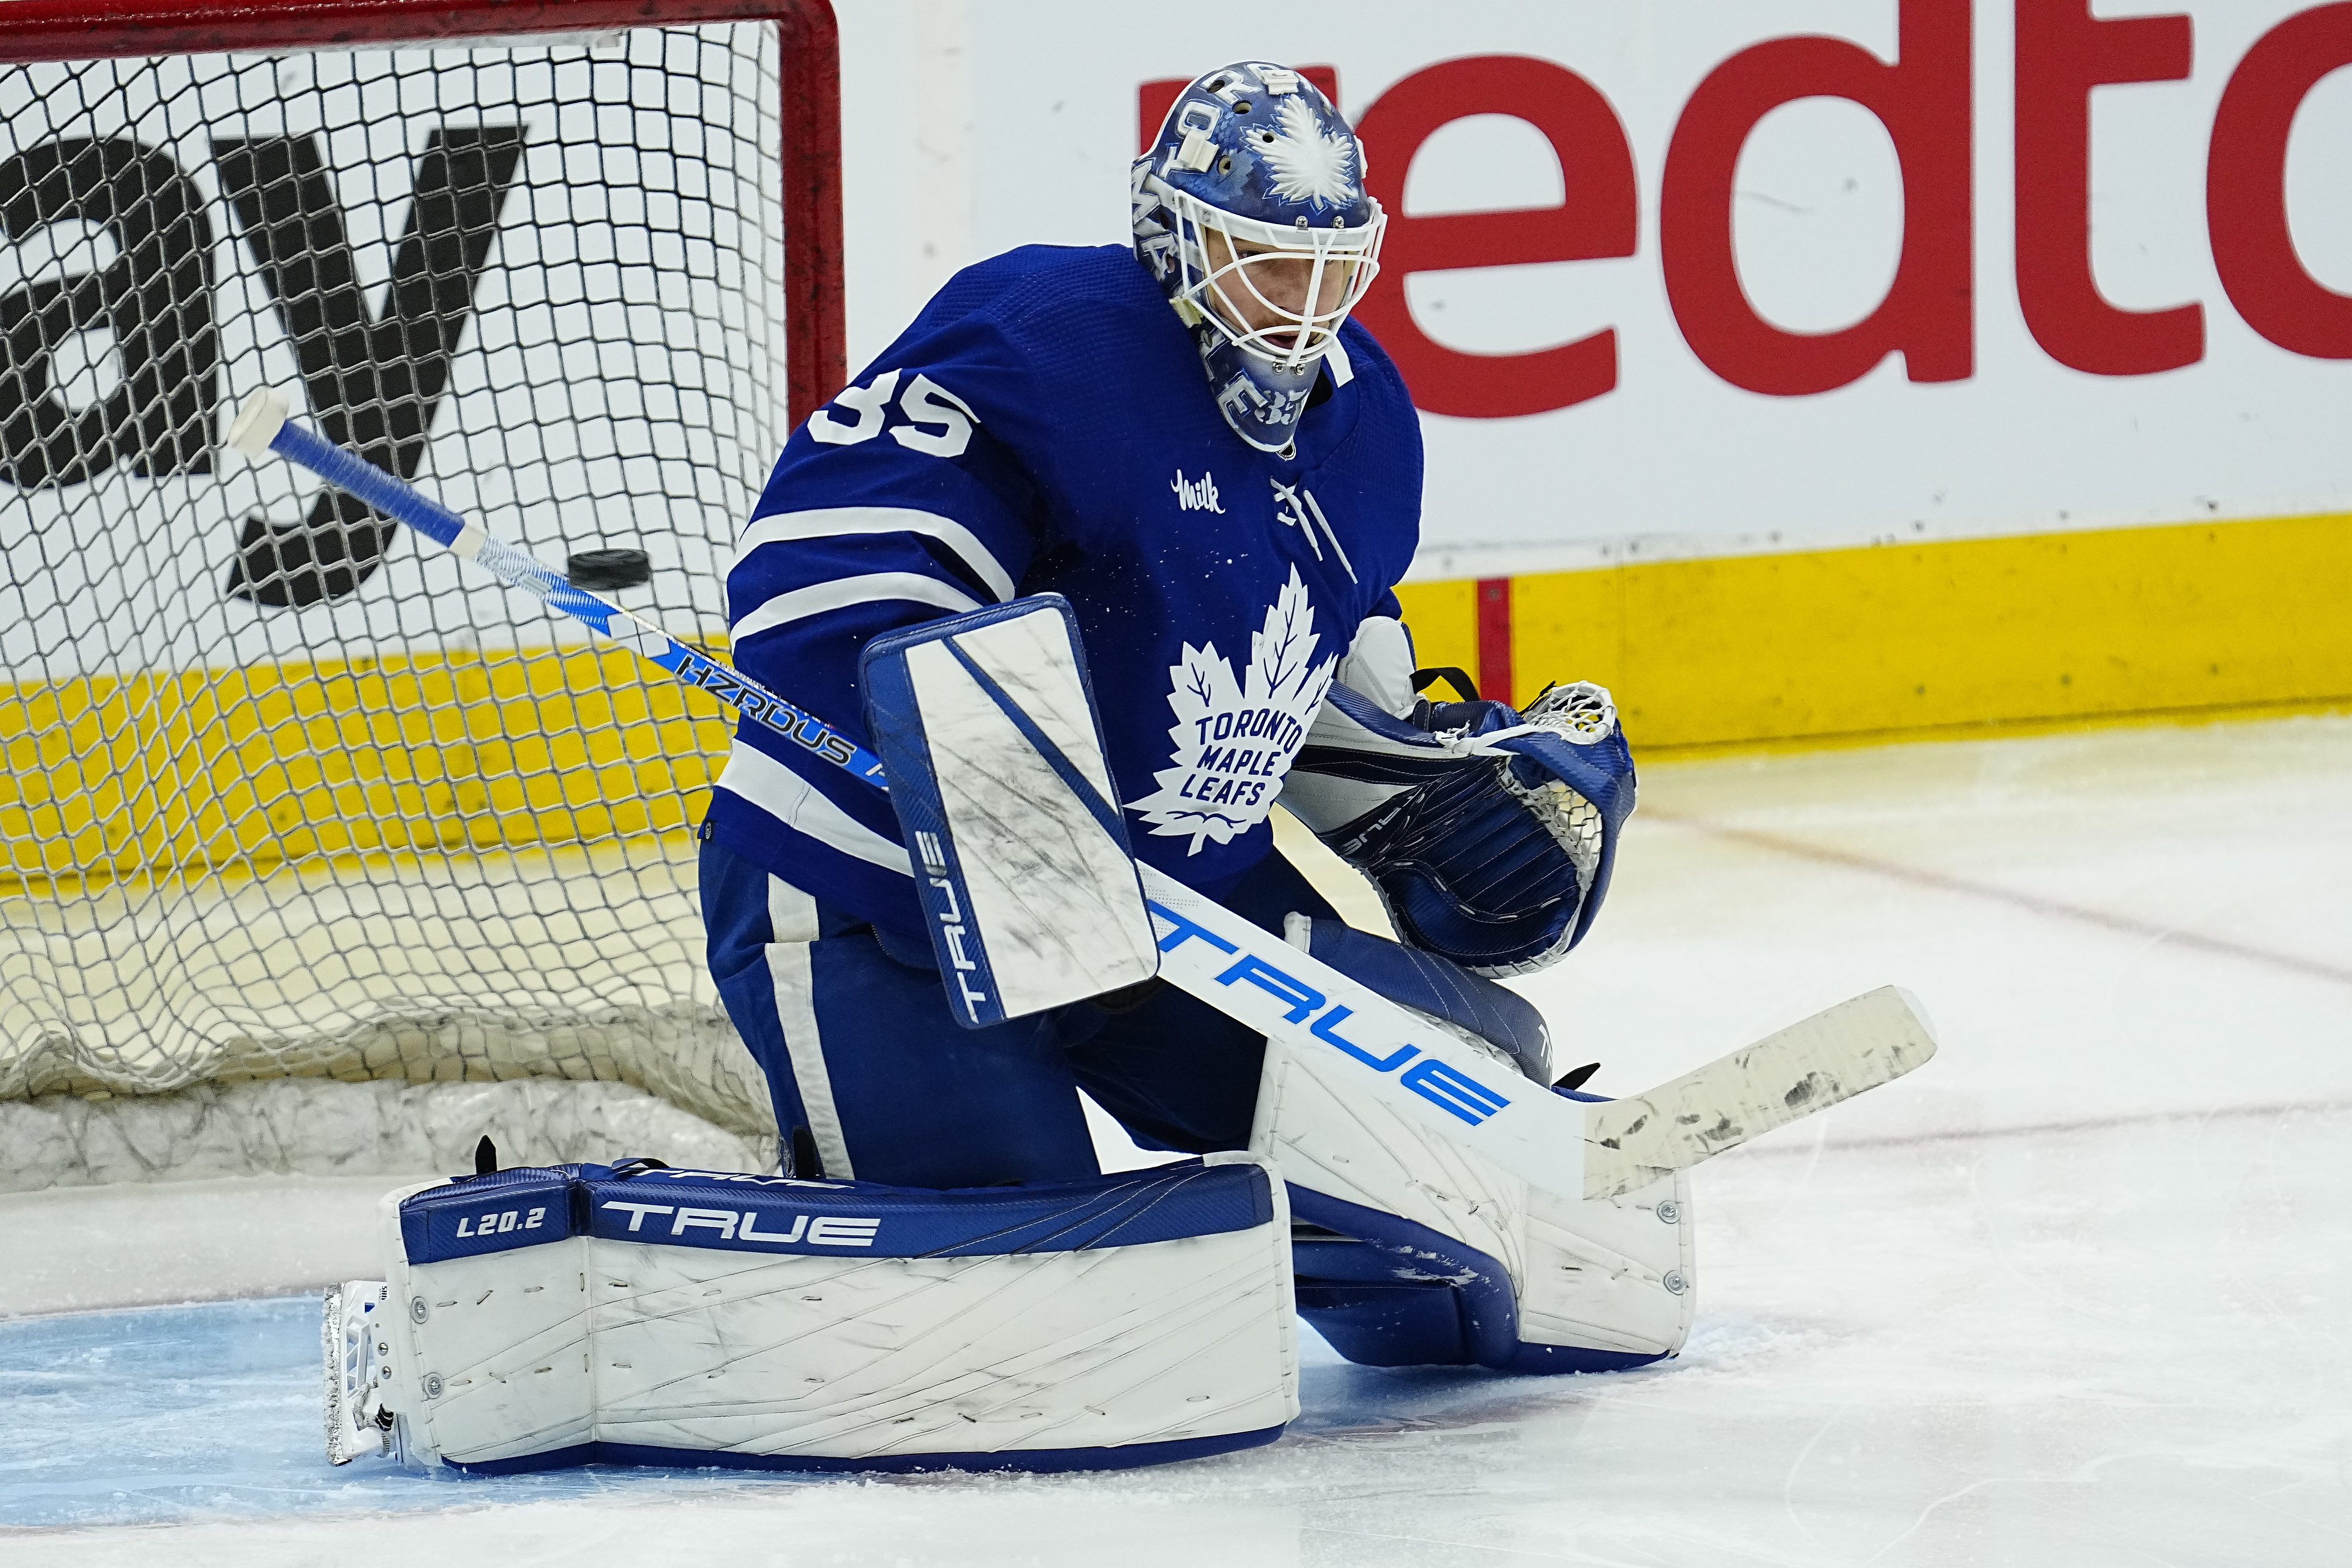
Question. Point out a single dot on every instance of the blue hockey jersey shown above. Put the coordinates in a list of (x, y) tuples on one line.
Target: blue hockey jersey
[(1044, 426)]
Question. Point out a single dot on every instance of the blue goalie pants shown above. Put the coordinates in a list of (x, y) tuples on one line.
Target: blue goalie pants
[(874, 1079)]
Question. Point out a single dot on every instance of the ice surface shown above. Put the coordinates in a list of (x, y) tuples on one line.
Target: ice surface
[(2079, 1293)]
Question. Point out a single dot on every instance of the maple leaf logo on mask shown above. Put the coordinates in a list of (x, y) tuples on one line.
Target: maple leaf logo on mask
[(1234, 740), (1309, 163)]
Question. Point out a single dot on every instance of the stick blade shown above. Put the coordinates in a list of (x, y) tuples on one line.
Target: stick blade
[(1859, 1044)]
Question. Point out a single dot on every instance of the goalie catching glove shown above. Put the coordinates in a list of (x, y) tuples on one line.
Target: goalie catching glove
[(1489, 834)]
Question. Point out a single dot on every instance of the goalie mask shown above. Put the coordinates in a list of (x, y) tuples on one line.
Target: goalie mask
[(1250, 211)]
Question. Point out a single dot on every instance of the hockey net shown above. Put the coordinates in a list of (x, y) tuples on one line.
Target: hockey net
[(315, 852)]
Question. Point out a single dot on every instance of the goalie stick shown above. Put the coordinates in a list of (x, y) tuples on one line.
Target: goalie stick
[(1594, 1149)]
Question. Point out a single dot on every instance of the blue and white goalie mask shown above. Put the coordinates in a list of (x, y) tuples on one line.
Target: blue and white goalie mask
[(1250, 210)]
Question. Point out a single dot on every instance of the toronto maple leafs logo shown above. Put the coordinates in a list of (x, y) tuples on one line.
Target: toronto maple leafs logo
[(1234, 740), (1309, 163)]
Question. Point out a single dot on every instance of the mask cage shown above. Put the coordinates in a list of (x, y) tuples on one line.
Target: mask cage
[(1352, 254)]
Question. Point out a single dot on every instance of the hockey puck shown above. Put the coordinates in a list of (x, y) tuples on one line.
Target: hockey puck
[(603, 570)]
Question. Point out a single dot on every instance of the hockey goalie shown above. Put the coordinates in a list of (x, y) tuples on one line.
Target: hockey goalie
[(1103, 551)]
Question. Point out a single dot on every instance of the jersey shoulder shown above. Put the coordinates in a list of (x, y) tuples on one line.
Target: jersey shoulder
[(1040, 293), (1055, 344), (1386, 430)]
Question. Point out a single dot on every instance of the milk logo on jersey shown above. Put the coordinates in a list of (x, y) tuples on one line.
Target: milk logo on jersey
[(1197, 495), (1234, 738)]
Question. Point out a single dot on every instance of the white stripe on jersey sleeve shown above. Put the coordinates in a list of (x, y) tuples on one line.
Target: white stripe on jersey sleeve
[(792, 920), (844, 591), (792, 800), (830, 522)]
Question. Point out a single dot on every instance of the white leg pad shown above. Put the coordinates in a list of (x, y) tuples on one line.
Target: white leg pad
[(697, 1318), (1552, 1281)]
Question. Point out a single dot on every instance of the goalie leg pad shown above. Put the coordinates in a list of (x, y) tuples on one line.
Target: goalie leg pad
[(1420, 1252), (356, 1337), (607, 1314)]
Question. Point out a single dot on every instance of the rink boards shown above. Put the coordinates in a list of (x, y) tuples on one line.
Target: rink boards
[(1908, 639)]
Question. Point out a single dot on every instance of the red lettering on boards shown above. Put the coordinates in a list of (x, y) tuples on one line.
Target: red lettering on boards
[(2245, 186), (1600, 217), (1923, 101), (1923, 97), (2062, 52)]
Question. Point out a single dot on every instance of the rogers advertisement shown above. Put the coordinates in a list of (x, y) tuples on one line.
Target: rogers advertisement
[(1729, 275)]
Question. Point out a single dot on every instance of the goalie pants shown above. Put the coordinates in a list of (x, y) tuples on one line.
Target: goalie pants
[(870, 1071)]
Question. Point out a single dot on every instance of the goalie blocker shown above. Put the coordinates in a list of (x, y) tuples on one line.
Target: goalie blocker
[(987, 724), (634, 1314)]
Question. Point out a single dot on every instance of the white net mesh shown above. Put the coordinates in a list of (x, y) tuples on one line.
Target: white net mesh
[(284, 794)]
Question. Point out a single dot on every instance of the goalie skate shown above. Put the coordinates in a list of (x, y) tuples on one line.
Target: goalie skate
[(358, 1373)]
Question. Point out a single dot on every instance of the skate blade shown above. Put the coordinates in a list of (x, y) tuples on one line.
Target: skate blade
[(347, 1336)]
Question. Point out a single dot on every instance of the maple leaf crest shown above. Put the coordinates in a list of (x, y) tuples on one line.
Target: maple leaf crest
[(1234, 738), (1309, 163)]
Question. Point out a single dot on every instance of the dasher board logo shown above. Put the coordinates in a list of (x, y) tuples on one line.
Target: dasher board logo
[(1234, 738), (469, 286), (374, 368)]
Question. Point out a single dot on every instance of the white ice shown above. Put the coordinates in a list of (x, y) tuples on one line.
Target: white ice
[(2079, 1293)]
